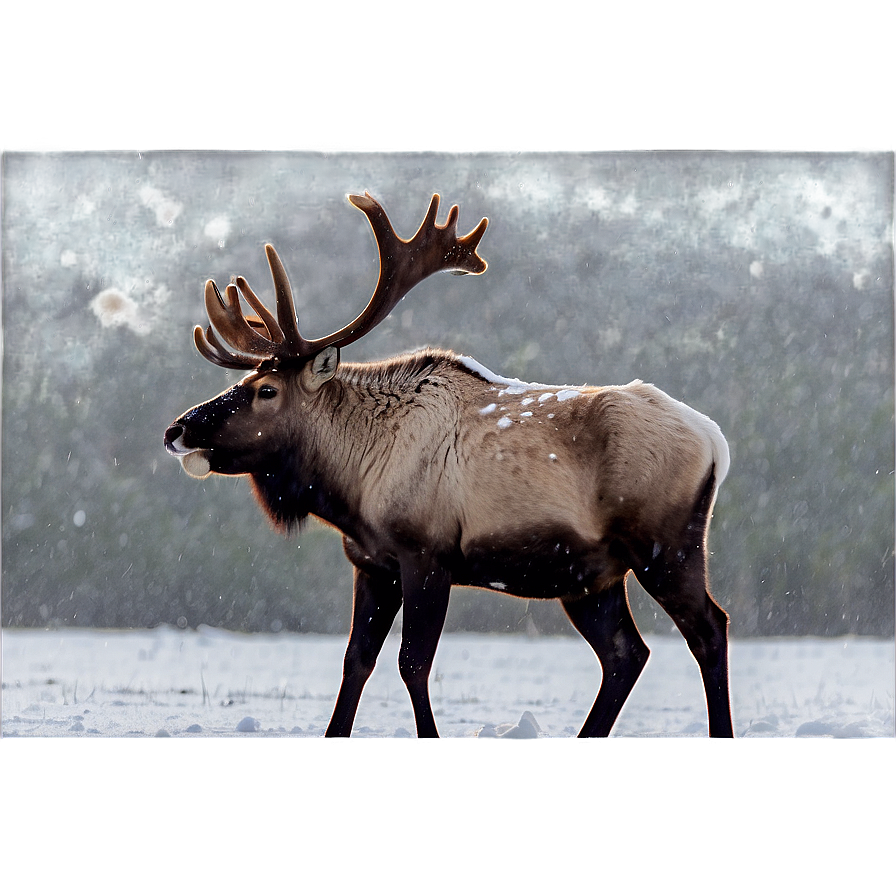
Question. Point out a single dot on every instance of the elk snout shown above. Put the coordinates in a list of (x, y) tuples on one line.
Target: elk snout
[(193, 460), (173, 435)]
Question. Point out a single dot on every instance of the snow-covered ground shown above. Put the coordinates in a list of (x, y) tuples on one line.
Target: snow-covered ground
[(210, 682)]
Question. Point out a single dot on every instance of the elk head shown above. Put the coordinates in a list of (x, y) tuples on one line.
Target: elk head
[(245, 429)]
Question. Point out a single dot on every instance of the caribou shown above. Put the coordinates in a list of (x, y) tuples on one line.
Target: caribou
[(438, 472)]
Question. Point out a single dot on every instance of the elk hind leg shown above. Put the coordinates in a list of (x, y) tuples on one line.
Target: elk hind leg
[(678, 584), (377, 598), (605, 621)]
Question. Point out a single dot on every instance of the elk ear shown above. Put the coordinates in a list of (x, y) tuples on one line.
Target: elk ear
[(322, 368)]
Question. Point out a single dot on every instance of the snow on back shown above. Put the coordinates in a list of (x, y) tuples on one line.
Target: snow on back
[(486, 374), (514, 386)]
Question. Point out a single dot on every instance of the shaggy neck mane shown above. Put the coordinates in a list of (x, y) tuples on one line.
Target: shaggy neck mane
[(291, 488), (403, 371), (283, 494)]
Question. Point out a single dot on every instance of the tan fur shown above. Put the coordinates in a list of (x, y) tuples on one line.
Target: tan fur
[(432, 463)]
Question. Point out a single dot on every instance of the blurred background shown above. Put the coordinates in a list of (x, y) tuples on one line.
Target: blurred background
[(756, 287)]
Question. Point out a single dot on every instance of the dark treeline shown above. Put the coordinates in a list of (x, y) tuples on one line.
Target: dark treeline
[(756, 287)]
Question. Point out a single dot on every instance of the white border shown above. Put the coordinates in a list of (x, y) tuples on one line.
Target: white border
[(490, 76)]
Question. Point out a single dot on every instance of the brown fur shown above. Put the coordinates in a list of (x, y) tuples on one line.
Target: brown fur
[(536, 496), (439, 473)]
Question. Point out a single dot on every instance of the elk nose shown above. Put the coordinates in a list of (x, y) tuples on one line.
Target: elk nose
[(172, 434)]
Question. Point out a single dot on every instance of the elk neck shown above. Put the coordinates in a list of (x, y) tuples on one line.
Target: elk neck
[(362, 439)]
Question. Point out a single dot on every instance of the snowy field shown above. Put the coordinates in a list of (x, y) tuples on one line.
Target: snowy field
[(213, 683)]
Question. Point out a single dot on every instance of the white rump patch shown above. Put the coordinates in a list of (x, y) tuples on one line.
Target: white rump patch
[(719, 446)]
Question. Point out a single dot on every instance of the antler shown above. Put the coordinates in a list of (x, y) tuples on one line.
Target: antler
[(403, 264)]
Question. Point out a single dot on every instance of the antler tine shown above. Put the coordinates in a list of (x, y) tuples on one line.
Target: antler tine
[(275, 334), (405, 263), (292, 343), (253, 339), (227, 318), (211, 349)]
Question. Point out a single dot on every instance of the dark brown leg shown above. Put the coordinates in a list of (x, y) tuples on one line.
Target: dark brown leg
[(377, 598), (677, 581), (676, 577), (605, 621), (426, 592), (704, 625)]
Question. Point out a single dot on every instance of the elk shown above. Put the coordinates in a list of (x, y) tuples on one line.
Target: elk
[(438, 472)]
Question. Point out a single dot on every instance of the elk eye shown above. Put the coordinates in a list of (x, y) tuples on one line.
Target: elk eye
[(267, 391)]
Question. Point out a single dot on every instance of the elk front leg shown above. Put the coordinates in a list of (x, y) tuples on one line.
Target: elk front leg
[(377, 597), (426, 588)]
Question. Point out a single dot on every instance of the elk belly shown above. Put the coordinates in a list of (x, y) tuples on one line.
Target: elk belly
[(545, 565), (195, 464)]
